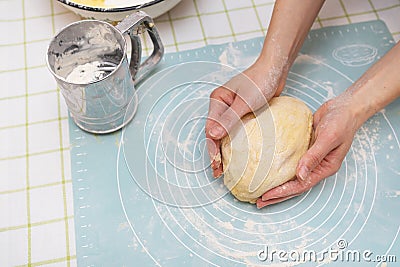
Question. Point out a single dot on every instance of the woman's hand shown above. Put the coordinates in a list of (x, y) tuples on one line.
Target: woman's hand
[(253, 88), (242, 94), (335, 124)]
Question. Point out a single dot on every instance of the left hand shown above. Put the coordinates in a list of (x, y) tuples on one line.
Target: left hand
[(244, 93), (335, 124)]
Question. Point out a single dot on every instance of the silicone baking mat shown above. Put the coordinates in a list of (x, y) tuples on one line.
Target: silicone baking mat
[(144, 196)]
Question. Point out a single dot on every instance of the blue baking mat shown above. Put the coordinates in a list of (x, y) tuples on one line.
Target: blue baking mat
[(144, 196)]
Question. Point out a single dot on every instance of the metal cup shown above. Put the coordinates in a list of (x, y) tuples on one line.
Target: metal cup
[(89, 62)]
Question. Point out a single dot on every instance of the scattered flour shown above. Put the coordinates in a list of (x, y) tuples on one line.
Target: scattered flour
[(307, 59), (123, 226), (234, 57), (328, 86)]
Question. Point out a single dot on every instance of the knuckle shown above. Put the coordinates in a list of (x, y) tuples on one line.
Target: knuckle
[(332, 136), (215, 93), (303, 187), (222, 96), (313, 159), (210, 122), (328, 134)]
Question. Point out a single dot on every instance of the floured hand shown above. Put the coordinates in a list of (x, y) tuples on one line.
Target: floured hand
[(242, 94), (335, 124)]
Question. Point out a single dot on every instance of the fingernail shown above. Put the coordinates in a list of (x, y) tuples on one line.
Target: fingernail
[(216, 132), (303, 172)]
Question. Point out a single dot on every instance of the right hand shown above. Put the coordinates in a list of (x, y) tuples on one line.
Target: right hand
[(244, 93), (335, 124)]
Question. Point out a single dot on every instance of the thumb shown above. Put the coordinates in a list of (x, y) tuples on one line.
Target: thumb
[(228, 119), (314, 156)]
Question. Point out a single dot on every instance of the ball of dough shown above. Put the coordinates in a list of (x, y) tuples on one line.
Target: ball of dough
[(262, 151)]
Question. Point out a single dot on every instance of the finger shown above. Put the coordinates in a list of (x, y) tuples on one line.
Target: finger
[(218, 171), (260, 203), (322, 110), (293, 187), (313, 138), (312, 158), (213, 147), (284, 190), (214, 152), (229, 118), (221, 99), (217, 107), (331, 163)]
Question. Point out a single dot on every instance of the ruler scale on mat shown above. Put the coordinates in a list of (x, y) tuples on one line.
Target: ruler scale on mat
[(144, 196)]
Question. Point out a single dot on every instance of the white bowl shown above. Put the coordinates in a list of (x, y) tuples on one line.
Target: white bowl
[(117, 10)]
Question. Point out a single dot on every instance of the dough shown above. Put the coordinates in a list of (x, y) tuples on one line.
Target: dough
[(263, 150)]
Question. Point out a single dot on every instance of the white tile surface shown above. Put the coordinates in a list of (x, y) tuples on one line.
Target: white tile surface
[(41, 173), (331, 8), (12, 107), (42, 23), (40, 80), (37, 133), (12, 57), (205, 7), (45, 199), (13, 208), (187, 30), (43, 107), (14, 247), (13, 33), (13, 173), (251, 23), (14, 83), (14, 142), (7, 6), (356, 6), (33, 58), (45, 244), (37, 8), (215, 25)]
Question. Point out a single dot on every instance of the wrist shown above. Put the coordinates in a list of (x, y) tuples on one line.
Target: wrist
[(376, 88), (273, 72), (360, 105)]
